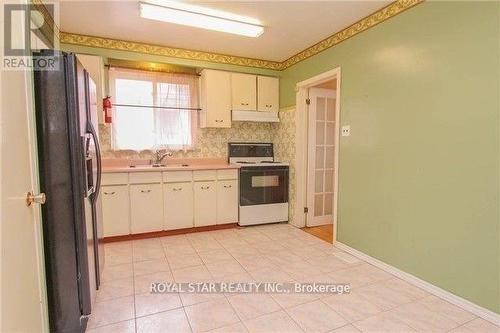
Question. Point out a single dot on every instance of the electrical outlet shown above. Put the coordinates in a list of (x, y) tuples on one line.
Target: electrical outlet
[(346, 130)]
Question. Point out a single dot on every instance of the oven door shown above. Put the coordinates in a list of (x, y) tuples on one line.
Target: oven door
[(263, 185)]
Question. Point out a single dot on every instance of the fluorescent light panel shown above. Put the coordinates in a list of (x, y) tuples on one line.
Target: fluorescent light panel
[(200, 17)]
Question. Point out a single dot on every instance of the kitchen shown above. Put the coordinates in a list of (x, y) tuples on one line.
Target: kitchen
[(224, 146)]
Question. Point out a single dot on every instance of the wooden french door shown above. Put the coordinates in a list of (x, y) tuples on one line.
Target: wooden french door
[(322, 138)]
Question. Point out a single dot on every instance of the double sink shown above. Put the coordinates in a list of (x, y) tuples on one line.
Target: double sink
[(159, 166)]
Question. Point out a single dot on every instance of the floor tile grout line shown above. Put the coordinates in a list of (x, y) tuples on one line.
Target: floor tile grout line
[(133, 289), (187, 318), (467, 322)]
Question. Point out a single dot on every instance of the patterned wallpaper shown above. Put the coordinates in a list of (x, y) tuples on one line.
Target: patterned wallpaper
[(212, 143), (284, 149)]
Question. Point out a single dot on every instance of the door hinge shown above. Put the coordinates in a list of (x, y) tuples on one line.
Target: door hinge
[(306, 210), (308, 101)]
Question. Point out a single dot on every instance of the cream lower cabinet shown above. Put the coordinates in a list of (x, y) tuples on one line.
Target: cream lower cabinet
[(179, 204), (146, 208), (205, 203), (115, 210), (140, 202), (227, 201)]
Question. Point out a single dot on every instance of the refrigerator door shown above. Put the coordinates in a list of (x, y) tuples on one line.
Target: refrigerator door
[(62, 170), (95, 153)]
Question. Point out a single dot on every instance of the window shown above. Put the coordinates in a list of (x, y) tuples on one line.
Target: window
[(153, 110)]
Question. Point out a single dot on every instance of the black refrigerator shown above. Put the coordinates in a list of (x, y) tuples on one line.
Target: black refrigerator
[(70, 176)]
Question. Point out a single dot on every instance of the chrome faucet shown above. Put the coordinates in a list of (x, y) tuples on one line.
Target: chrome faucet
[(158, 157)]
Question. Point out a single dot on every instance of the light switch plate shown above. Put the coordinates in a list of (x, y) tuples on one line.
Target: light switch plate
[(346, 130)]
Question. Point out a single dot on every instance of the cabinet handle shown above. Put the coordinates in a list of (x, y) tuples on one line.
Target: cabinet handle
[(205, 187), (219, 120), (145, 191), (109, 193), (177, 189), (228, 186)]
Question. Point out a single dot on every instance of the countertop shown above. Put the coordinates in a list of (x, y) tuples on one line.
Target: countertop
[(124, 165)]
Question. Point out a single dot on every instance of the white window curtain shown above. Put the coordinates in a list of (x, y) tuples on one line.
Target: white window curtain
[(153, 110)]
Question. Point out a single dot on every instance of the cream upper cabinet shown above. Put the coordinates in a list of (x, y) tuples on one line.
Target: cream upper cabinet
[(215, 99), (95, 67), (268, 93), (179, 204), (115, 210), (244, 92), (146, 208), (205, 203), (227, 201)]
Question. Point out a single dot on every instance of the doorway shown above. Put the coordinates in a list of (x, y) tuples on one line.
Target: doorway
[(317, 145)]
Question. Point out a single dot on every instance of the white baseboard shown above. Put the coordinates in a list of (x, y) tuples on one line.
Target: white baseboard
[(441, 293)]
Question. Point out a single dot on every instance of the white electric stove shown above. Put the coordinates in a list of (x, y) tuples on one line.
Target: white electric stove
[(263, 183)]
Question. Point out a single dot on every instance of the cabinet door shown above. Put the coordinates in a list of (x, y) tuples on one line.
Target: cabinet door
[(205, 201), (146, 208), (115, 210), (215, 99), (178, 199), (268, 93), (227, 201), (244, 92)]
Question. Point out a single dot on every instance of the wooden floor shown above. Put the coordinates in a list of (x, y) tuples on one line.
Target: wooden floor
[(324, 232)]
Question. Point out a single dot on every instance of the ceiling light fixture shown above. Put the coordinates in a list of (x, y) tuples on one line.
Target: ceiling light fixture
[(200, 17)]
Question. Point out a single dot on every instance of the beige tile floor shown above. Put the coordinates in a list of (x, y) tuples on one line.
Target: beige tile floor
[(379, 302)]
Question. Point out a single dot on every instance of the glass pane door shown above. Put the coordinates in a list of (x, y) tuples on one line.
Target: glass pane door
[(321, 157)]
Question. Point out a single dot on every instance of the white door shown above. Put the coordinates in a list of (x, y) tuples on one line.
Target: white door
[(146, 208), (115, 210), (322, 134), (205, 204), (244, 92), (268, 93), (22, 276), (178, 203), (227, 201)]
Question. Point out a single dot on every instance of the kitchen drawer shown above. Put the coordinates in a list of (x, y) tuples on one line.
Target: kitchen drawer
[(204, 175), (119, 178), (227, 174), (177, 176), (144, 177)]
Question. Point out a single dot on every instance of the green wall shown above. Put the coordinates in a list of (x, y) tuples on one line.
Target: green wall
[(419, 175)]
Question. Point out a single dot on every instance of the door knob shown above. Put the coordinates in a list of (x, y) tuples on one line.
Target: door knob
[(35, 198)]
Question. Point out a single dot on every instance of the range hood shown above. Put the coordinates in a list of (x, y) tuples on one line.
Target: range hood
[(256, 116)]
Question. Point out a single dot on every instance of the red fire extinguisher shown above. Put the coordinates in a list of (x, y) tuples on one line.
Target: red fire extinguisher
[(106, 105)]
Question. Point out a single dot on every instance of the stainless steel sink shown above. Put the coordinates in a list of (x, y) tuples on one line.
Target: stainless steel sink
[(159, 166), (147, 166)]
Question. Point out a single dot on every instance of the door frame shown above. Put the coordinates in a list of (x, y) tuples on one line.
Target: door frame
[(301, 144)]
